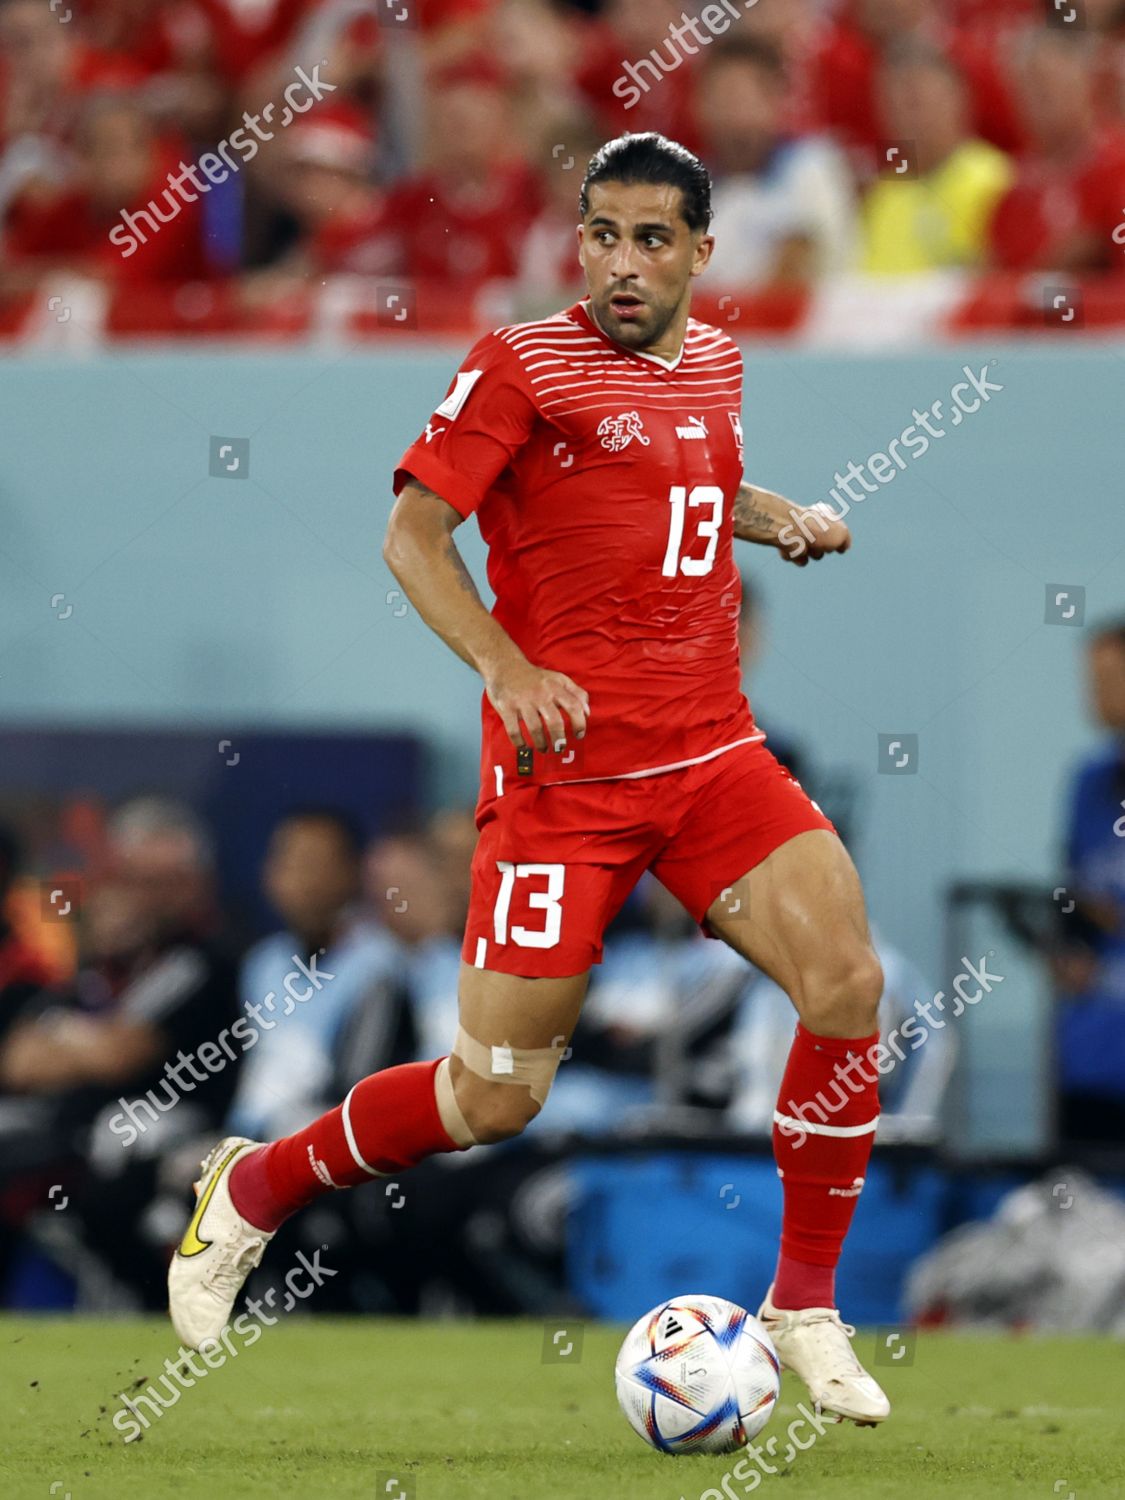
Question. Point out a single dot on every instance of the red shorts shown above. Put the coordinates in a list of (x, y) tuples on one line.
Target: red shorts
[(554, 864)]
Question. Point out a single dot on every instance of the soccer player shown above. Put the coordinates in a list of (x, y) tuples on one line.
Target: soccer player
[(602, 452)]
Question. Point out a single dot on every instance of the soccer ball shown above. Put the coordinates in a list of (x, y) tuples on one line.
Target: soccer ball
[(697, 1375)]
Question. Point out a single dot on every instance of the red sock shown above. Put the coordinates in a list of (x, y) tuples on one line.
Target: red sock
[(831, 1086), (387, 1123)]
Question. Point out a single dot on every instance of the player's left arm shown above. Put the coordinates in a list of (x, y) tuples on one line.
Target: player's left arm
[(799, 532)]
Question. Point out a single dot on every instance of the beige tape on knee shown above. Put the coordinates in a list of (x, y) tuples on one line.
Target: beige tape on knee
[(448, 1108), (533, 1067)]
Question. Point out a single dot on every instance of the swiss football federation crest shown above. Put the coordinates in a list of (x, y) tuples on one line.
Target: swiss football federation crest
[(736, 423), (618, 432)]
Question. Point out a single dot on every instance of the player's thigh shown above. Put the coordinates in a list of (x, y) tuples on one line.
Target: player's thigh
[(800, 917), (758, 864), (513, 1010)]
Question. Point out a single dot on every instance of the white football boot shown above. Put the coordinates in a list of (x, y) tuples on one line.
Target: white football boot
[(218, 1251), (814, 1343)]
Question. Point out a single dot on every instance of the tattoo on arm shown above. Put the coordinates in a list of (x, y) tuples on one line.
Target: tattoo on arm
[(457, 562), (751, 522)]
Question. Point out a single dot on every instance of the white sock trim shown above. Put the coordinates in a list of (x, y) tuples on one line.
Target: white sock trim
[(349, 1134), (809, 1127)]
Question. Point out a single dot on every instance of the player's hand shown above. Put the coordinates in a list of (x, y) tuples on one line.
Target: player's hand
[(525, 695), (835, 537)]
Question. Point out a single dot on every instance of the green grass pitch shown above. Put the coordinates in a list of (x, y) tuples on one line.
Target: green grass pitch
[(449, 1411)]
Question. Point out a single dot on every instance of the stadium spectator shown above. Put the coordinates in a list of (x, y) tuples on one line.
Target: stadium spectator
[(783, 205), (464, 217), (45, 71), (416, 884), (89, 1065), (1090, 966), (1063, 209), (23, 971), (122, 166), (353, 1018), (537, 45), (154, 971), (793, 28), (549, 271), (635, 74), (851, 50), (937, 213), (337, 219)]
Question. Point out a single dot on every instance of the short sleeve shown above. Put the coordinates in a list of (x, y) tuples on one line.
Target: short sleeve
[(487, 416)]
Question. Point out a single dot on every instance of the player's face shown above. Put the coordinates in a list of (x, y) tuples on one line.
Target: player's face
[(639, 257)]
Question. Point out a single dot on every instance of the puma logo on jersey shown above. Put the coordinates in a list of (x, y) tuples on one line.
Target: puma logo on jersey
[(696, 429), (618, 432)]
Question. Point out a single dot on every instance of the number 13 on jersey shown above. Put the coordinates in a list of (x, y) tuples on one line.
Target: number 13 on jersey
[(707, 526)]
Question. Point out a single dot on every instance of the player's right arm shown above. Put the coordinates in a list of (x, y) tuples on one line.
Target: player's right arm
[(473, 436)]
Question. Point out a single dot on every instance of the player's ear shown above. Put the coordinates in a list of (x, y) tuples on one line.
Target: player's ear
[(703, 249)]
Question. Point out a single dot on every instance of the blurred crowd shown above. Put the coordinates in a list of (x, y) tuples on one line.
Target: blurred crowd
[(441, 142)]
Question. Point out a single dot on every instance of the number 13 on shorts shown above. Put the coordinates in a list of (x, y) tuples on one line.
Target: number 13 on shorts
[(547, 900)]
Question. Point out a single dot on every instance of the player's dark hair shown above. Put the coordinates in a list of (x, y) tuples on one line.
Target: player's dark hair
[(347, 828), (653, 158)]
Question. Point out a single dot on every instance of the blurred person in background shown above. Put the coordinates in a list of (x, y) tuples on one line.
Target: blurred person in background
[(937, 213), (121, 164), (153, 985), (416, 882), (334, 218), (635, 75), (463, 217), (1067, 201), (353, 1017), (1089, 965), (855, 41), (45, 70), (783, 204), (23, 971), (537, 46), (549, 266), (794, 29)]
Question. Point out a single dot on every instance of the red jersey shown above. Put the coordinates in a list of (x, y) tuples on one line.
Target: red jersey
[(604, 484)]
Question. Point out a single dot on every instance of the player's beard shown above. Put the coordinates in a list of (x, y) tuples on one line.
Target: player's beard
[(640, 333)]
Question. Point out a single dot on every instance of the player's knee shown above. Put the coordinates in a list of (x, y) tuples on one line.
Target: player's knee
[(844, 999), (494, 1111)]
